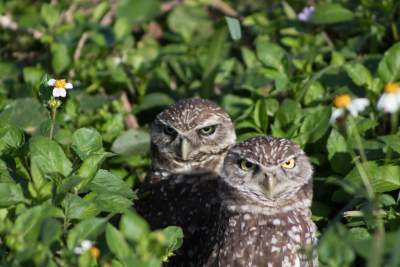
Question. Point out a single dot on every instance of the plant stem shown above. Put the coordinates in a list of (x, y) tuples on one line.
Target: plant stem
[(53, 121)]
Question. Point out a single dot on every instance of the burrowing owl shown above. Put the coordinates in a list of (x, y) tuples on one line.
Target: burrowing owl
[(266, 218), (188, 139)]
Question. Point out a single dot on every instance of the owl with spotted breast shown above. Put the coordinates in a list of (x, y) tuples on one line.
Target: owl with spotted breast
[(189, 141), (265, 219)]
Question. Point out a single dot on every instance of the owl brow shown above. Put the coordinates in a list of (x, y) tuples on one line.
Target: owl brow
[(290, 157), (210, 121)]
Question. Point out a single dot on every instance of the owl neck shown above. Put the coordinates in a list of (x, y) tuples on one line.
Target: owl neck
[(243, 202)]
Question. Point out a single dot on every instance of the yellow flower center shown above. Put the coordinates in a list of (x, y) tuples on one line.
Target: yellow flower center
[(392, 88), (342, 100), (95, 252), (60, 83)]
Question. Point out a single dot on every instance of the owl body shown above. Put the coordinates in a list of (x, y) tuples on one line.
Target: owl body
[(189, 141), (265, 218)]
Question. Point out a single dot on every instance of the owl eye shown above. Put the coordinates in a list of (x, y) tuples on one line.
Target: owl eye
[(289, 164), (169, 131), (208, 130), (247, 165)]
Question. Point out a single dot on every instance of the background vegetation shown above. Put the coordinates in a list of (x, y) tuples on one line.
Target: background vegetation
[(129, 59)]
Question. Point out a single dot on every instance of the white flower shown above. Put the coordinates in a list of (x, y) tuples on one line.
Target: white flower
[(84, 246), (306, 14), (60, 87), (390, 100), (344, 102)]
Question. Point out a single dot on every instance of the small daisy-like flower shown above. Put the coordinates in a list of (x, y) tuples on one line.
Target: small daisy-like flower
[(390, 100), (84, 246), (60, 87), (344, 102), (94, 252), (306, 14)]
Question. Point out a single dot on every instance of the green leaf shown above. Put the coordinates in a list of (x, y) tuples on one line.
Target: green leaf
[(338, 153), (88, 229), (314, 126), (78, 208), (154, 100), (24, 113), (234, 28), (138, 10), (50, 231), (60, 57), (49, 156), (133, 226), (11, 138), (270, 54), (288, 111), (50, 14), (86, 142), (173, 237), (389, 66), (11, 194), (329, 13), (383, 178), (359, 74), (132, 142), (117, 243), (107, 183), (89, 168), (392, 141), (33, 75)]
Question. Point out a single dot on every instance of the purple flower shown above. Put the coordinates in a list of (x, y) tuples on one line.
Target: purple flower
[(306, 14)]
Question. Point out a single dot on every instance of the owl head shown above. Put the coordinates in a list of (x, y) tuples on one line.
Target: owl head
[(266, 170), (192, 134)]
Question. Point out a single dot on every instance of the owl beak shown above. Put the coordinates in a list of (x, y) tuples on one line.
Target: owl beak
[(185, 149), (269, 184)]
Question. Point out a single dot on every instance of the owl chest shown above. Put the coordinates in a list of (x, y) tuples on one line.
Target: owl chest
[(252, 240)]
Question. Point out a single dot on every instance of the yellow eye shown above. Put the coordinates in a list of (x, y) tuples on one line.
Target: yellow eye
[(247, 165), (209, 130), (289, 164)]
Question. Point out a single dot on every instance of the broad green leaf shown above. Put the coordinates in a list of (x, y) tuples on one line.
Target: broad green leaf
[(190, 21), (270, 54), (359, 74), (392, 141), (234, 28), (338, 153), (314, 126), (329, 13), (88, 229), (89, 168), (288, 111), (383, 178), (138, 10), (11, 138), (50, 15), (133, 226), (389, 66), (11, 194), (86, 142), (50, 231), (60, 57), (109, 202), (24, 113), (117, 243), (78, 208), (49, 156), (173, 237), (33, 75), (154, 100), (107, 183), (132, 142)]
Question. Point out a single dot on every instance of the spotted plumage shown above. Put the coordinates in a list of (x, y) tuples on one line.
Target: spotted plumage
[(189, 141), (265, 220)]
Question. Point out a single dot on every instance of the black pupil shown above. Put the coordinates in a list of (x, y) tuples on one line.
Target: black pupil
[(248, 165), (169, 130)]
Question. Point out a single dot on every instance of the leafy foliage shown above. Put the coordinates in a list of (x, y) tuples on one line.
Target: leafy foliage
[(72, 177)]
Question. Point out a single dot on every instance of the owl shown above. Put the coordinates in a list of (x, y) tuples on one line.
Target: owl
[(189, 141), (265, 217)]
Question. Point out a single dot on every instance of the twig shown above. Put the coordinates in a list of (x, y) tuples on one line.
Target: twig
[(7, 22), (168, 6), (130, 120), (81, 44), (224, 8)]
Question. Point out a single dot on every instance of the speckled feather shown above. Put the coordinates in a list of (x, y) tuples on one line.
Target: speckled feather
[(261, 231), (183, 193)]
